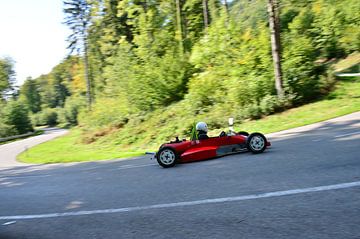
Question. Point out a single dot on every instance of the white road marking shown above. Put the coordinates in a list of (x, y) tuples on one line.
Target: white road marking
[(349, 134), (126, 166), (188, 203), (26, 176), (8, 223), (134, 166), (92, 168)]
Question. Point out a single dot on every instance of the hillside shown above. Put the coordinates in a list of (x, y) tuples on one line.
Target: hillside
[(148, 135)]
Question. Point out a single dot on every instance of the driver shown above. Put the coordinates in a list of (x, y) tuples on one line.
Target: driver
[(202, 130)]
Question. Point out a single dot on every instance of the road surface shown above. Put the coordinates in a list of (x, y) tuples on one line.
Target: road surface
[(306, 186)]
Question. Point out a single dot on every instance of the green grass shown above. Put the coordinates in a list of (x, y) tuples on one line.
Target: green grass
[(343, 100), (69, 149)]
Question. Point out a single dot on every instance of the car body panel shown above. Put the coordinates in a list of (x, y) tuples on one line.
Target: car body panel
[(200, 153)]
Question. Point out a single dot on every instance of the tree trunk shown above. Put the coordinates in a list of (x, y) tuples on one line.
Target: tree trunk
[(87, 75), (179, 31), (226, 6), (275, 44), (206, 14)]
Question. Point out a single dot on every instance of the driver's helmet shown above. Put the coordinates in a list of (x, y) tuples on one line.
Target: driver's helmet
[(202, 126)]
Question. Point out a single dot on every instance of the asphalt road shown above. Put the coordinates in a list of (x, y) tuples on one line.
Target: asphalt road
[(8, 152), (306, 186)]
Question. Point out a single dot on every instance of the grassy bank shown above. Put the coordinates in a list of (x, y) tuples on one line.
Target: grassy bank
[(70, 149), (343, 100)]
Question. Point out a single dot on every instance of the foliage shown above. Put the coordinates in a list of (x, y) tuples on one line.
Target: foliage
[(15, 114), (6, 75), (6, 130), (270, 104), (30, 95), (48, 117), (68, 115), (77, 17)]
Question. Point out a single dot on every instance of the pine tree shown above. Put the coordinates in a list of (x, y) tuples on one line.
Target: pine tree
[(78, 18), (6, 76)]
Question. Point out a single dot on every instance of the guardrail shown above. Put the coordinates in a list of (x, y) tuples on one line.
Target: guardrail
[(347, 74), (16, 136)]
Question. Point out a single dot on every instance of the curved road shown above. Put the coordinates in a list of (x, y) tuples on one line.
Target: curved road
[(306, 186), (8, 152)]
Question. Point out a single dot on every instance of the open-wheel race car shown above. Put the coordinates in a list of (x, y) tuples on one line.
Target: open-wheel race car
[(183, 151)]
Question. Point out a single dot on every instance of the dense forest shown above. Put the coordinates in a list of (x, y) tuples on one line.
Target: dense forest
[(163, 64)]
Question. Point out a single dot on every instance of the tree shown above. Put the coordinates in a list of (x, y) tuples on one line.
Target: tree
[(16, 115), (29, 93), (274, 25), (6, 75), (78, 17)]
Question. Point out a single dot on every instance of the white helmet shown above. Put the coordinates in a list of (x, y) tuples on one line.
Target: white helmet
[(202, 126)]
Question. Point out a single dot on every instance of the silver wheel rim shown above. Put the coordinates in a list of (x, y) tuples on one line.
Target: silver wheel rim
[(167, 156), (257, 143)]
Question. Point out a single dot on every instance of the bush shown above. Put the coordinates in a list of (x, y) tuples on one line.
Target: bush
[(7, 130), (15, 114), (252, 111), (35, 119), (269, 104), (49, 117), (68, 115), (106, 111), (205, 90)]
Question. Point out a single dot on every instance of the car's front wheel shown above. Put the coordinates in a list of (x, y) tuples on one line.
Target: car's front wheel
[(167, 157), (256, 143)]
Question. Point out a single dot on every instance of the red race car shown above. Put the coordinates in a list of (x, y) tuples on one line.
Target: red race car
[(195, 150)]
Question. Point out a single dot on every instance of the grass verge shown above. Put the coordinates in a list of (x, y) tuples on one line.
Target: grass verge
[(69, 149), (343, 100)]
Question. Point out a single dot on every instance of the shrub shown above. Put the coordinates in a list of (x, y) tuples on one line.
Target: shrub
[(205, 90), (269, 104), (15, 114), (69, 114), (252, 111), (36, 119), (7, 130), (49, 117)]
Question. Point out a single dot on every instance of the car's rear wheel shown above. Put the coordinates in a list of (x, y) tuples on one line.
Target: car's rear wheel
[(256, 143), (167, 157)]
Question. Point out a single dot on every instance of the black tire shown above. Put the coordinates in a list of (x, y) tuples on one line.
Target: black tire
[(256, 143), (167, 157), (244, 133)]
